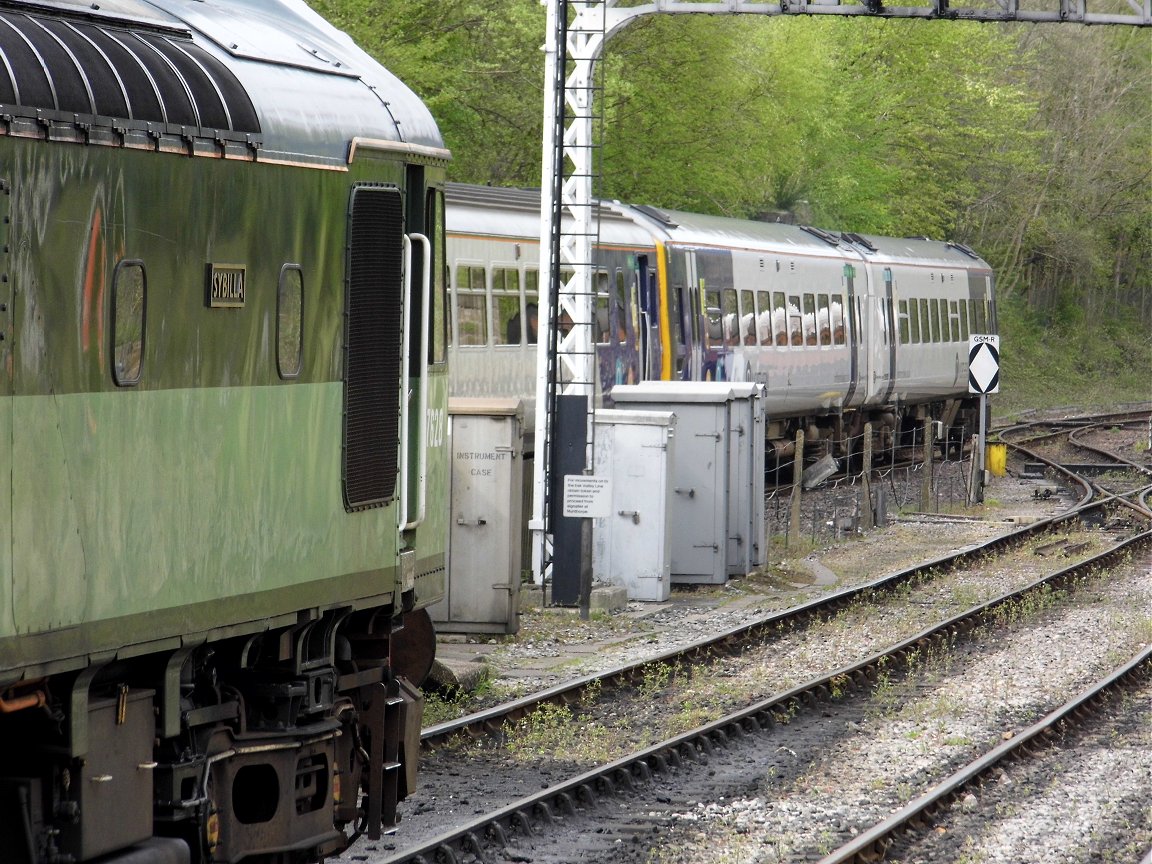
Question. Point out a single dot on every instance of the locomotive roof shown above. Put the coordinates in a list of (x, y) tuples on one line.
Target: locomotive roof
[(269, 74)]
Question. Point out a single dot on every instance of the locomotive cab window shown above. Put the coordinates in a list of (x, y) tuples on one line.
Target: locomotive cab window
[(289, 322), (129, 302)]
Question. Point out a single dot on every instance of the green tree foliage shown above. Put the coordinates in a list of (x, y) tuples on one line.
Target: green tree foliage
[(1073, 234), (865, 125), (478, 64)]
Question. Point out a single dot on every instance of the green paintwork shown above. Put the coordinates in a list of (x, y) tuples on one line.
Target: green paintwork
[(209, 495)]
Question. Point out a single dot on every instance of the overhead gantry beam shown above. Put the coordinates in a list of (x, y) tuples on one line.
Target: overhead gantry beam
[(1054, 11)]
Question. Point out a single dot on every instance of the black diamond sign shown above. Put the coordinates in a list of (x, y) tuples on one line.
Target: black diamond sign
[(983, 364)]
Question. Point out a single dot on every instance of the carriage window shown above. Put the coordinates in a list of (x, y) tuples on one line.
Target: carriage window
[(764, 318), (601, 329), (532, 303), (507, 328), (532, 286), (778, 325), (954, 319), (795, 330), (837, 315), (944, 336), (731, 316), (981, 317), (926, 324), (129, 301), (715, 332), (823, 320), (289, 321), (809, 319), (905, 332), (934, 317), (619, 301), (914, 322), (748, 318), (471, 301), (964, 321)]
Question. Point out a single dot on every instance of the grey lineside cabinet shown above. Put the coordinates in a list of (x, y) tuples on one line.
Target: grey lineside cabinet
[(482, 594), (747, 533), (631, 546), (701, 473)]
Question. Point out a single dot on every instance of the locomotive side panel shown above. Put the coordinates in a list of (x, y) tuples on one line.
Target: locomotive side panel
[(192, 485), (216, 411)]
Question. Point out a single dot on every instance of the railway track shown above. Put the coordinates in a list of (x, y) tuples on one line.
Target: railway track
[(1130, 678), (519, 822), (561, 801)]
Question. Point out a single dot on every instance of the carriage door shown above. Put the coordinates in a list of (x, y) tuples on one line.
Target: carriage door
[(646, 289), (853, 334), (888, 330), (693, 315), (372, 346)]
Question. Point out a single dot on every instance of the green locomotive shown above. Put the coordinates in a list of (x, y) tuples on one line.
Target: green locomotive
[(223, 472)]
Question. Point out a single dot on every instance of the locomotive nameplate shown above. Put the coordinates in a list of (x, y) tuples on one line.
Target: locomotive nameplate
[(225, 286)]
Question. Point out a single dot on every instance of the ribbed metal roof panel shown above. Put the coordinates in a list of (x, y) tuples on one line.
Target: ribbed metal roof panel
[(116, 69), (270, 73)]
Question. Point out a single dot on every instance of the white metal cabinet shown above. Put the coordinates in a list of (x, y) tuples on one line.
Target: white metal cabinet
[(486, 523), (698, 513), (632, 545), (747, 536)]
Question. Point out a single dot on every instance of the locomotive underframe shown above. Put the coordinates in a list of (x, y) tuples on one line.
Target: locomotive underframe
[(263, 748)]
